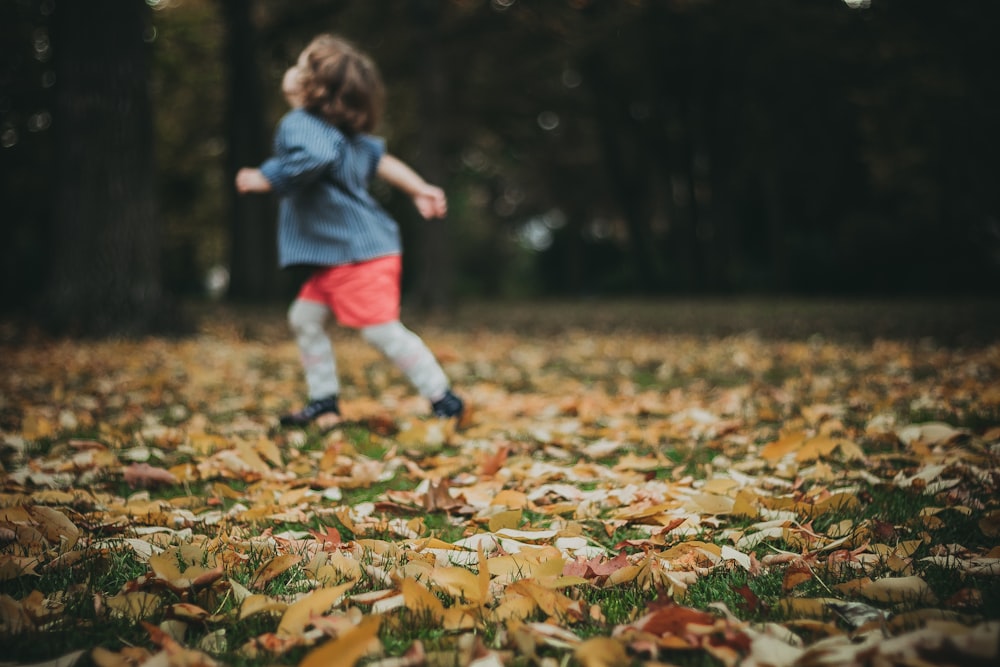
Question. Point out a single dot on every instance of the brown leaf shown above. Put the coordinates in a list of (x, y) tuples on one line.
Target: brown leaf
[(673, 620), (492, 463), (143, 475), (798, 572)]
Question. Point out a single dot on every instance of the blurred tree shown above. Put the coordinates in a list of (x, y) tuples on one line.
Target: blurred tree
[(106, 235), (254, 275), (587, 147), (433, 286), (26, 83)]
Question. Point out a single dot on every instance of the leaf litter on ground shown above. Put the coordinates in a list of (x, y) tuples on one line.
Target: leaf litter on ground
[(612, 498)]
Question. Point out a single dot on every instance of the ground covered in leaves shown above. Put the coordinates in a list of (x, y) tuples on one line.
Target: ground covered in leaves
[(763, 484)]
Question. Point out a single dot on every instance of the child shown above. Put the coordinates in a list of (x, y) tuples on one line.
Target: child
[(324, 159)]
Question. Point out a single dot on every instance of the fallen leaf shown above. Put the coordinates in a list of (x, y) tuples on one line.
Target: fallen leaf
[(347, 649), (899, 589), (315, 603)]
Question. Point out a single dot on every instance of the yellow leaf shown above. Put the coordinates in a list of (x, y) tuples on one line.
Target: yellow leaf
[(624, 575), (506, 519), (601, 652), (850, 450), (838, 502), (814, 608), (417, 598), (553, 603), (784, 445), (458, 582), (899, 589), (746, 505), (907, 548), (35, 426), (165, 565), (514, 607), (316, 603), (251, 459), (270, 451), (816, 448), (57, 528), (460, 618), (510, 499), (261, 604), (720, 485), (930, 433), (707, 503), (484, 575), (273, 568), (347, 649), (134, 606), (427, 436)]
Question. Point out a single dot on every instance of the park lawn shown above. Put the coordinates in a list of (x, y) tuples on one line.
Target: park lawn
[(782, 484)]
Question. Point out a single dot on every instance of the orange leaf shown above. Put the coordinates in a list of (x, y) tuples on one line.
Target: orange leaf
[(797, 572)]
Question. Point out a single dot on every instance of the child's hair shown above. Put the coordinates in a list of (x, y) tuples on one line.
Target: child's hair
[(341, 84)]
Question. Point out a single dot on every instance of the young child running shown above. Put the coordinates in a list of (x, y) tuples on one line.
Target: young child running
[(324, 159)]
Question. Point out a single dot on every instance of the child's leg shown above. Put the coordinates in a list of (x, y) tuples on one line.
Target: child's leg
[(307, 320), (409, 353)]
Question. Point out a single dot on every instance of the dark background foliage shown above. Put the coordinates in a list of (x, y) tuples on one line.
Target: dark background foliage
[(588, 147)]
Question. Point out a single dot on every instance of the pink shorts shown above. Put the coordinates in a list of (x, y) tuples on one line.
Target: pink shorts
[(360, 295)]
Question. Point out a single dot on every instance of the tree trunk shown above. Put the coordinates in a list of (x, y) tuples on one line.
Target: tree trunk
[(433, 286), (106, 235), (627, 164), (254, 275)]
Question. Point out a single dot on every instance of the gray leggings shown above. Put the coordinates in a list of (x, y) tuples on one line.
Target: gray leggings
[(397, 343)]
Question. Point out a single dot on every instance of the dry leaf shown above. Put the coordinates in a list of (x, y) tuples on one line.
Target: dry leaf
[(316, 603), (274, 568), (899, 589), (601, 652), (346, 650)]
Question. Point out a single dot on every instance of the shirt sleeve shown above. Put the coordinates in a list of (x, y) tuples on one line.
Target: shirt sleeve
[(305, 148), (375, 147)]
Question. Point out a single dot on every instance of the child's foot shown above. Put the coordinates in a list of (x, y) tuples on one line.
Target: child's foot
[(323, 411), (447, 406)]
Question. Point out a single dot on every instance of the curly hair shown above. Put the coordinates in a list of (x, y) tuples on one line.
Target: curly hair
[(341, 84)]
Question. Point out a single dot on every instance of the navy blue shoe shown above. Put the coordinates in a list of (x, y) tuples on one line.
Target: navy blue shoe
[(448, 406), (312, 411)]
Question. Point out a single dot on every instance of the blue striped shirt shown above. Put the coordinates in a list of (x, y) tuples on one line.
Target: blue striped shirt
[(327, 217)]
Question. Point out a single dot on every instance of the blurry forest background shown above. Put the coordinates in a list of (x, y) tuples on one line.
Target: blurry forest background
[(589, 147)]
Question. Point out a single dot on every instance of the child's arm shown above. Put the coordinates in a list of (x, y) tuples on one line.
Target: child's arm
[(429, 199), (249, 179)]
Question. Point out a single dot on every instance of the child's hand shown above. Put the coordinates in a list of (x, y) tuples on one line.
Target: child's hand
[(431, 202), (251, 180)]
